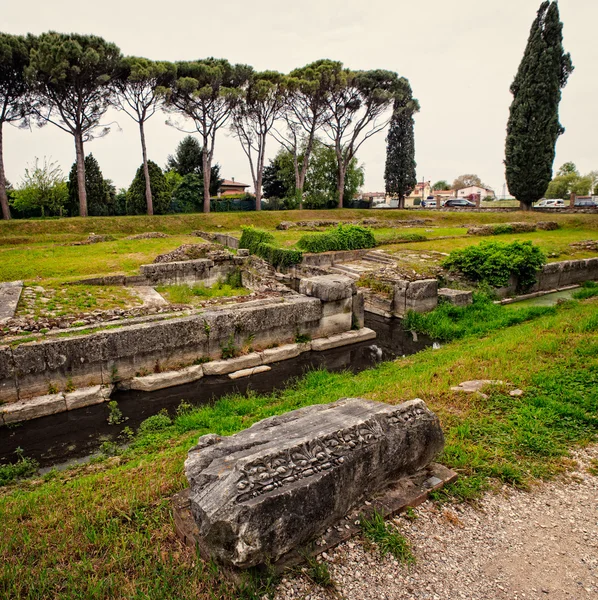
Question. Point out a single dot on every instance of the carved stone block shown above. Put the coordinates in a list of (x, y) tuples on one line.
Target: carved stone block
[(260, 493)]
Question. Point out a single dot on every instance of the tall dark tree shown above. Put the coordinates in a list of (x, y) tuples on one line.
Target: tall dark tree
[(136, 201), (533, 127), (188, 160), (14, 58), (139, 84), (99, 199), (399, 173), (72, 77)]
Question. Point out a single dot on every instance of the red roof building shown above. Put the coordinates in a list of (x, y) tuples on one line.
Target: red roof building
[(230, 186)]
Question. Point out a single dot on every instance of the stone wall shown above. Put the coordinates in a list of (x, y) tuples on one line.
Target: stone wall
[(221, 238), (112, 355), (419, 296)]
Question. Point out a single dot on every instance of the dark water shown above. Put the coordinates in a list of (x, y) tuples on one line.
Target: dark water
[(70, 435)]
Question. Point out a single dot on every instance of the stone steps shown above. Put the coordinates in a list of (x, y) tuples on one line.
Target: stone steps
[(379, 257), (344, 270)]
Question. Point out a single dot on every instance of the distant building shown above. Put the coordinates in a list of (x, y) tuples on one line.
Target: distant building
[(443, 194), (475, 190), (422, 190), (230, 186)]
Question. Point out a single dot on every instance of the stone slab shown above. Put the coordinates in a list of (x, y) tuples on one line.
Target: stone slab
[(410, 491), (10, 294), (456, 297), (475, 385), (224, 367), (286, 352), (328, 288), (87, 396), (269, 489), (42, 406), (149, 296), (159, 381), (343, 339), (248, 372)]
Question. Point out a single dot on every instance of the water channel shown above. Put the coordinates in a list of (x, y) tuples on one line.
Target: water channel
[(68, 436)]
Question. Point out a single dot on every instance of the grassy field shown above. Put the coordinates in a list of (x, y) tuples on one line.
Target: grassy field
[(38, 250), (106, 530)]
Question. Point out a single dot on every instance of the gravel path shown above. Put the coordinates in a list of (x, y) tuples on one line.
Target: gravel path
[(512, 545)]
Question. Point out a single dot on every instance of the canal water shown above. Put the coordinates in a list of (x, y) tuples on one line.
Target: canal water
[(73, 435), (545, 300)]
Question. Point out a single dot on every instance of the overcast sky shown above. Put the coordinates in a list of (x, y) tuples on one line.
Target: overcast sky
[(459, 55)]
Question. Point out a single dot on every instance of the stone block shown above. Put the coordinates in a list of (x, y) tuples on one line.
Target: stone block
[(160, 381), (358, 309), (41, 406), (422, 295), (87, 396), (548, 278), (273, 487), (343, 339), (399, 301), (456, 297), (592, 269), (286, 352), (328, 288), (573, 272), (8, 388), (224, 367), (248, 372)]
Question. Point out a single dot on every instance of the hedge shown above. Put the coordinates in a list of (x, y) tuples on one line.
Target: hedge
[(261, 243), (343, 237)]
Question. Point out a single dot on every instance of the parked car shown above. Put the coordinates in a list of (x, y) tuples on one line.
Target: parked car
[(585, 202), (459, 203), (550, 203), (429, 202)]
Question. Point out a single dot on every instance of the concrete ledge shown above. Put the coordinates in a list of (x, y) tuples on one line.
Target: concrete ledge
[(223, 367), (87, 396), (42, 406), (248, 372), (159, 381), (343, 339)]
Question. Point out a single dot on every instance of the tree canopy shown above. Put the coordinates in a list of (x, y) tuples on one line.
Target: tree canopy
[(468, 180), (136, 203), (442, 184), (533, 126), (14, 100), (70, 76), (100, 200)]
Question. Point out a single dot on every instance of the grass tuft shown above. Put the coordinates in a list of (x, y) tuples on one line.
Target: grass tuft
[(387, 538)]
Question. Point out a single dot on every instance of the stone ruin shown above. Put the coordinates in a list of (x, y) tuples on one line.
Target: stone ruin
[(263, 493)]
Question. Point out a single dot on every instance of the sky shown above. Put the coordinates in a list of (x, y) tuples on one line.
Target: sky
[(460, 57)]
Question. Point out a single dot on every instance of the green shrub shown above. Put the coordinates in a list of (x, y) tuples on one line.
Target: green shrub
[(502, 228), (343, 237), (261, 243), (399, 238), (495, 262), (155, 423)]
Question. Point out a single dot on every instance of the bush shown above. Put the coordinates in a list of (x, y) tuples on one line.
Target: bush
[(494, 263), (261, 243), (343, 237)]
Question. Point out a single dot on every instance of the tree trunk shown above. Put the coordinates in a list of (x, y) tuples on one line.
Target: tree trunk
[(148, 187), (3, 194), (341, 185), (524, 206), (401, 201), (207, 172), (81, 175)]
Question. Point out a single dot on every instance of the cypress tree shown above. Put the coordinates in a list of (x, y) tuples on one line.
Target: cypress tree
[(399, 173), (136, 200), (99, 203), (533, 127)]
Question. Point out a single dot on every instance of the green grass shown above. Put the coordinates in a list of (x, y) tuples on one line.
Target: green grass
[(106, 530), (449, 322), (186, 294), (588, 290), (387, 538)]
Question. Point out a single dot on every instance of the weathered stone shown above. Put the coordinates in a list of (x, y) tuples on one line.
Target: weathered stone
[(328, 288), (285, 352), (242, 252), (422, 295), (87, 396), (343, 339), (516, 393), (42, 406), (549, 277), (248, 372), (260, 493), (399, 301), (10, 293), (223, 367), (159, 381), (456, 297), (358, 310), (475, 385)]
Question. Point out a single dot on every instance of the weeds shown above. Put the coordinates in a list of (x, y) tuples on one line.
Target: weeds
[(588, 290), (23, 467), (115, 415), (229, 348), (302, 338), (387, 538)]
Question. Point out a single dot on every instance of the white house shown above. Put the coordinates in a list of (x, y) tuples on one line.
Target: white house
[(474, 190)]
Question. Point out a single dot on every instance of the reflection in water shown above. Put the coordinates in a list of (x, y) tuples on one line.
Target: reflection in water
[(71, 435)]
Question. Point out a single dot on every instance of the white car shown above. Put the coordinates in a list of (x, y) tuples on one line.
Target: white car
[(550, 203)]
